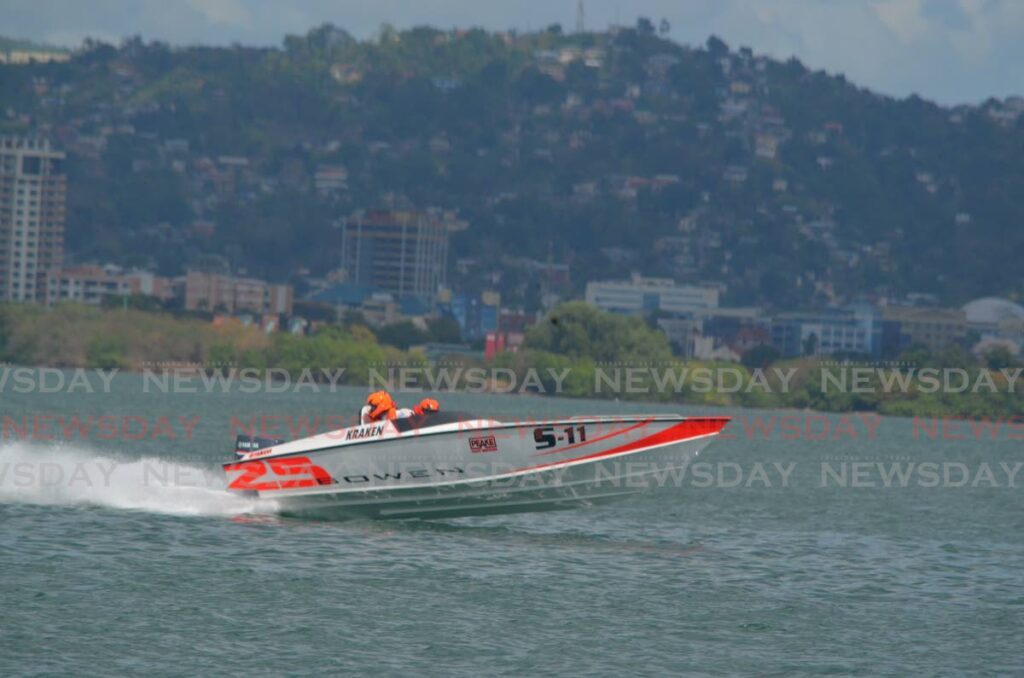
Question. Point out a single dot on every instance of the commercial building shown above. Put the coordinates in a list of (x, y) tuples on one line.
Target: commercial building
[(214, 292), (476, 314), (854, 329), (643, 295), (399, 251), (934, 328), (33, 193)]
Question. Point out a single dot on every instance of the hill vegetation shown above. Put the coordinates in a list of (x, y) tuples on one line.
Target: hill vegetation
[(577, 351), (609, 152)]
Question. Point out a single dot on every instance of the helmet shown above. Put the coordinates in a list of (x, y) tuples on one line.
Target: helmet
[(428, 405), (380, 403)]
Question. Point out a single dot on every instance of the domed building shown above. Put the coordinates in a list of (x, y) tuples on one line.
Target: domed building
[(995, 317)]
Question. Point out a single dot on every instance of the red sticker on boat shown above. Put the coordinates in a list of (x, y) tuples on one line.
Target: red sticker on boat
[(482, 444)]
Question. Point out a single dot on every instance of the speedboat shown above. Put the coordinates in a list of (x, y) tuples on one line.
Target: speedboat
[(448, 464)]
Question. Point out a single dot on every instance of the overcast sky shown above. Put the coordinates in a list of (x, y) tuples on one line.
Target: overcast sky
[(952, 51)]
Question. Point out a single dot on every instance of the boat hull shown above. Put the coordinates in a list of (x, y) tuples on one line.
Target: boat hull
[(477, 467)]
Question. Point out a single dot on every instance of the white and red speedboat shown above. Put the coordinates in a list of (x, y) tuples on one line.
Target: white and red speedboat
[(449, 464)]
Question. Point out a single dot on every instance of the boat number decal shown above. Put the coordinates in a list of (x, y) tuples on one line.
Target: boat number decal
[(547, 436), (482, 444), (292, 472)]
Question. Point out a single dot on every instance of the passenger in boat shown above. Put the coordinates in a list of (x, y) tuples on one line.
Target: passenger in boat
[(380, 406), (427, 406)]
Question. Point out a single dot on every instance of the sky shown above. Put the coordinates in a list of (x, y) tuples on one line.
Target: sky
[(950, 51)]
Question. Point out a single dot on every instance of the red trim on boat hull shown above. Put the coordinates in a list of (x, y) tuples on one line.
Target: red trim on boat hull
[(684, 430), (645, 422)]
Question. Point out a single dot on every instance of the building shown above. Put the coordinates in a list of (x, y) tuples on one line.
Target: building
[(644, 295), (330, 179), (934, 328), (706, 348), (84, 284), (214, 292), (500, 342), (33, 190), (401, 252), (377, 307), (148, 284), (995, 317), (91, 284), (854, 329), (476, 315), (29, 56), (682, 333)]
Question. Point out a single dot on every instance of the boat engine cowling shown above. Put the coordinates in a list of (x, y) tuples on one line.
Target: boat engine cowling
[(245, 444)]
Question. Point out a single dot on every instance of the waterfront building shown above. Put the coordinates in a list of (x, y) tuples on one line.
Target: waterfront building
[(33, 193)]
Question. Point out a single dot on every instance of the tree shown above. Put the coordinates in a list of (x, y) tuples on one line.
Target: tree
[(760, 356), (717, 47), (444, 330), (1000, 358), (810, 344), (401, 335), (578, 330)]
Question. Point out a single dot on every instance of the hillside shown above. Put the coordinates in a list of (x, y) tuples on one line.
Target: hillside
[(610, 152)]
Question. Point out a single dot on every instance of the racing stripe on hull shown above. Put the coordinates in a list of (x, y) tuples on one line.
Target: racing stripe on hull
[(684, 430), (637, 425)]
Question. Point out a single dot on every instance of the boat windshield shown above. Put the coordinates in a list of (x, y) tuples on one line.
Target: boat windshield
[(418, 421)]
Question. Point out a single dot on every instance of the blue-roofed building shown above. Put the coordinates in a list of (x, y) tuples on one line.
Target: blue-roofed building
[(377, 306), (413, 307), (345, 295)]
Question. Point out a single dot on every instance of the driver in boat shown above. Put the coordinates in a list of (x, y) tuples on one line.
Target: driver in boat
[(380, 406)]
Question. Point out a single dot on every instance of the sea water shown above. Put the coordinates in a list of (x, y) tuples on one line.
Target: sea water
[(804, 543)]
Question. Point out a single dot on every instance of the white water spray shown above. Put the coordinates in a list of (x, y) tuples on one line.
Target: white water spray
[(74, 476)]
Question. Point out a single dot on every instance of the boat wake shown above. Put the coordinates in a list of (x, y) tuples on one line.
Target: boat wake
[(75, 476)]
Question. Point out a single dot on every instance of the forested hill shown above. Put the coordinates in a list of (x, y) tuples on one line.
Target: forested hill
[(611, 152)]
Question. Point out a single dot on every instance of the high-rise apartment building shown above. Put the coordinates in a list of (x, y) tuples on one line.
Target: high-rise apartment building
[(399, 251), (33, 190)]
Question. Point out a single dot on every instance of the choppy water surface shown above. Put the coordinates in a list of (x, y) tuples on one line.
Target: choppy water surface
[(140, 563)]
